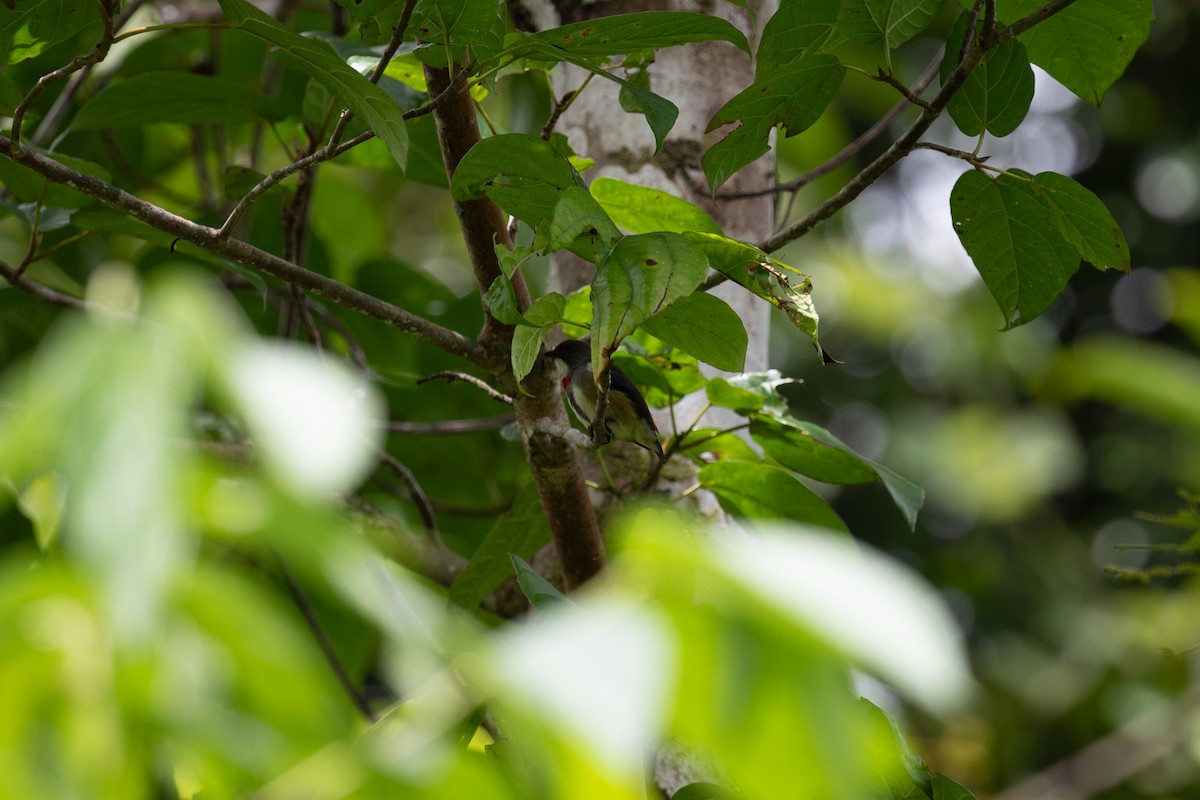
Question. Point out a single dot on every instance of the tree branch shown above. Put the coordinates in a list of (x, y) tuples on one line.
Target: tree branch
[(244, 253), (41, 292), (908, 141), (541, 418), (98, 54), (450, 427)]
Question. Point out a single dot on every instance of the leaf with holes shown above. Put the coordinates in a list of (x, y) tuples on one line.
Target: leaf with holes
[(642, 275), (794, 96)]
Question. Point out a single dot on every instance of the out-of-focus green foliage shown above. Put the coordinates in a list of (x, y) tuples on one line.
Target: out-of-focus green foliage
[(181, 582), (145, 652)]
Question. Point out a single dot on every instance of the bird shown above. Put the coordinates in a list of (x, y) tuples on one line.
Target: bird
[(628, 417)]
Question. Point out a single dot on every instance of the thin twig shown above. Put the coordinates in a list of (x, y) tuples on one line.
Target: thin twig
[(42, 292), (58, 109), (562, 104), (909, 94), (851, 150), (98, 54), (314, 624), (389, 52), (973, 159), (244, 253), (322, 155), (415, 492), (909, 139), (478, 383), (450, 427)]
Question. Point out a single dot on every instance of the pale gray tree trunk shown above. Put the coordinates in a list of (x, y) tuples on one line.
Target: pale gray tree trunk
[(699, 79)]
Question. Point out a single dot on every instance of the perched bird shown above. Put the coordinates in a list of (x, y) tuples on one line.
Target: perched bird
[(628, 417)]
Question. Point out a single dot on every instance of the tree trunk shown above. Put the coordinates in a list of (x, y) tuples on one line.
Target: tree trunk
[(699, 79)]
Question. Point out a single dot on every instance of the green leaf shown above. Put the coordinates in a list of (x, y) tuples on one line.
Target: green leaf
[(522, 174), (663, 377), (786, 288), (797, 446), (501, 300), (31, 27), (649, 30), (944, 788), (794, 31), (896, 21), (527, 339), (703, 326), (154, 97), (793, 96), (42, 504), (450, 22), (522, 530), (1005, 226), (640, 209), (704, 791), (761, 491), (1088, 44), (1084, 221), (721, 392), (813, 451), (660, 113), (580, 225), (322, 64), (766, 385), (642, 275), (997, 93), (539, 591)]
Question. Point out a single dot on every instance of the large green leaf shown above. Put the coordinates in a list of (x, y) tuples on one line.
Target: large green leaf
[(24, 184), (800, 448), (448, 21), (154, 97), (895, 21), (640, 209), (1088, 44), (319, 62), (1005, 228), (30, 27), (522, 530), (522, 174), (1028, 233), (813, 451), (786, 288), (996, 94), (649, 30), (527, 338), (1083, 220), (761, 491), (793, 96), (795, 30), (642, 275), (528, 178), (705, 327)]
